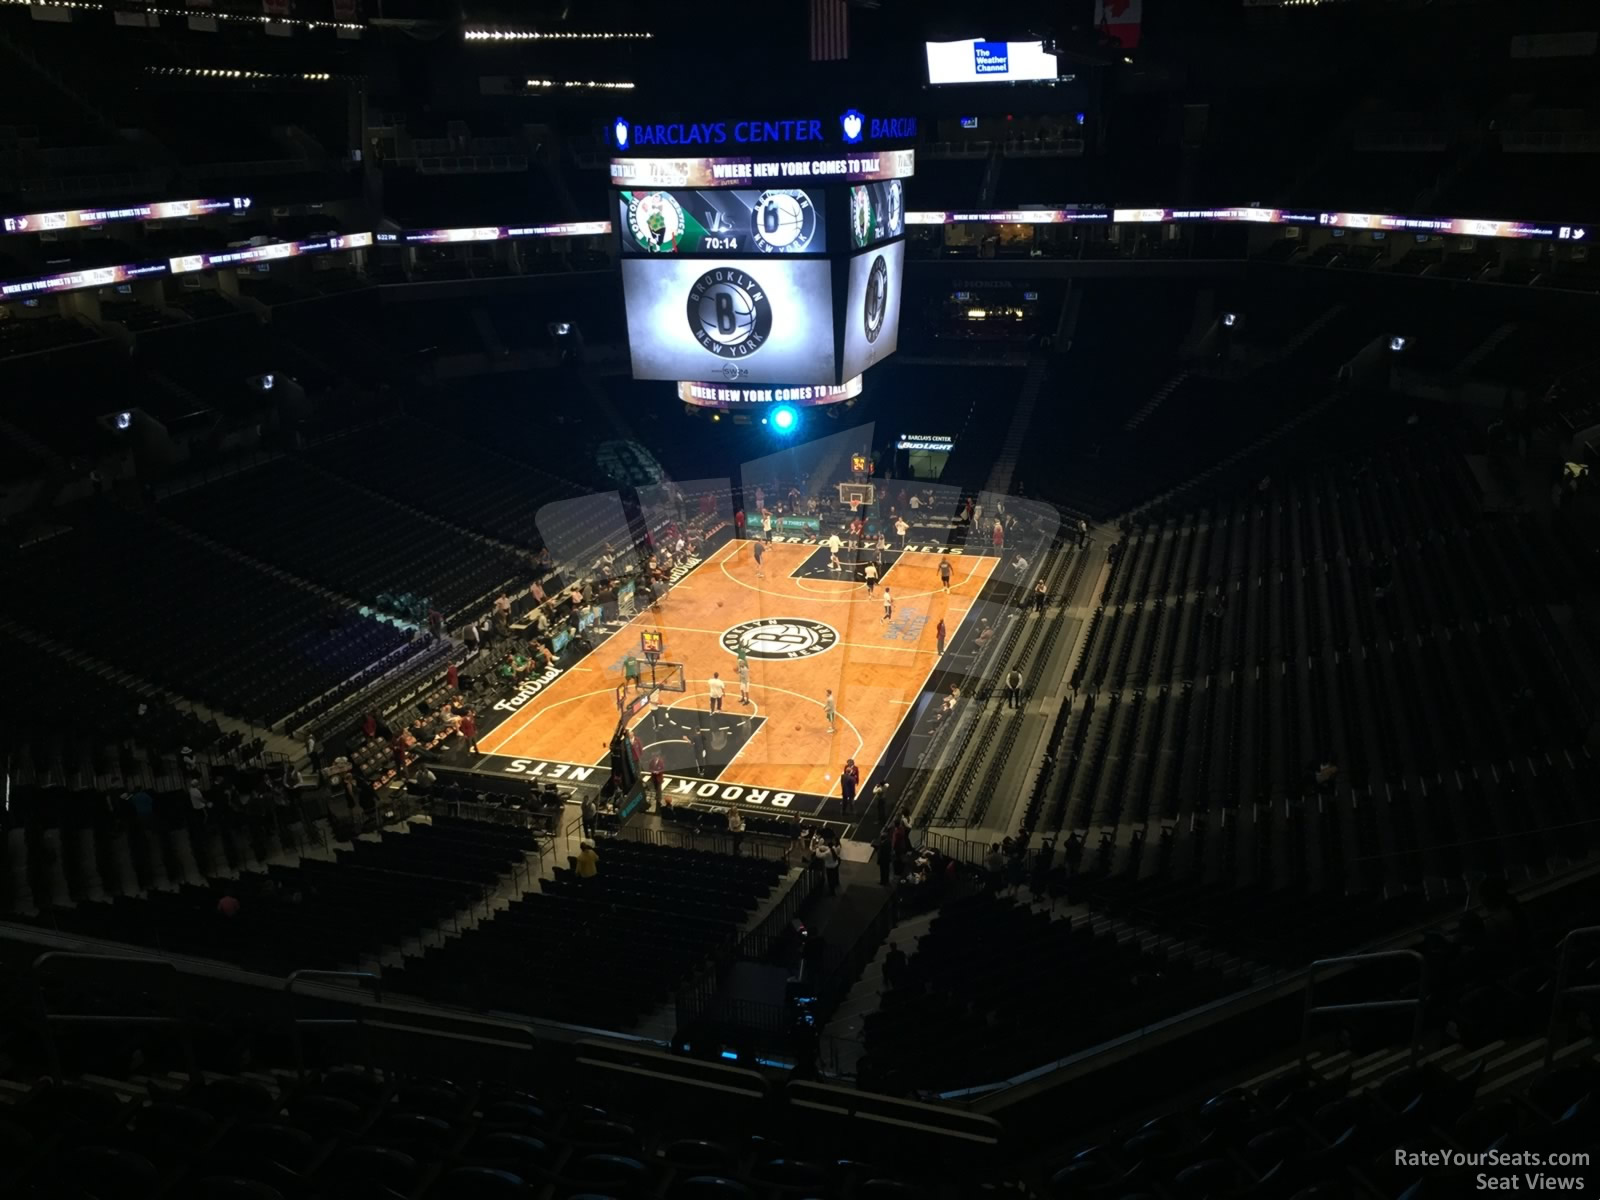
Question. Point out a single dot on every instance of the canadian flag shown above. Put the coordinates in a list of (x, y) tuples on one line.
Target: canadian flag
[(1120, 18)]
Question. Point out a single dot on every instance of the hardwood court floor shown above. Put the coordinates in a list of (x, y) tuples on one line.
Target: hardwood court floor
[(875, 668)]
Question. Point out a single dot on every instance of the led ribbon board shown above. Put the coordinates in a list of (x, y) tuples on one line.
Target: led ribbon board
[(669, 172), (81, 218), (722, 395)]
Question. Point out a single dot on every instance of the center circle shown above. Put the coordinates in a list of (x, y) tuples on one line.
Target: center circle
[(780, 638)]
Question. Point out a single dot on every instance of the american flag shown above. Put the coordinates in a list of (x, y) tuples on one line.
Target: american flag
[(830, 30)]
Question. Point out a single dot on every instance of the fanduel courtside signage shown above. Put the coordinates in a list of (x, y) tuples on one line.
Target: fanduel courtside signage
[(851, 127)]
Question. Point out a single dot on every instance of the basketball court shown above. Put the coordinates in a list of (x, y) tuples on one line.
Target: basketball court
[(804, 630)]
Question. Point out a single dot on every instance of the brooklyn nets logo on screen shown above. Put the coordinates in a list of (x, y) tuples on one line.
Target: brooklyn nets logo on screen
[(877, 302), (780, 638), (729, 313), (784, 222), (656, 221)]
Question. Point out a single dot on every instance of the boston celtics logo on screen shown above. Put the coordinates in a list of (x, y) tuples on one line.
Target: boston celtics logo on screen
[(877, 301), (780, 638), (729, 313), (860, 214), (656, 221), (783, 222)]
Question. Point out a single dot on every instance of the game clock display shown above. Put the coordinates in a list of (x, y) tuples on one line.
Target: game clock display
[(739, 221)]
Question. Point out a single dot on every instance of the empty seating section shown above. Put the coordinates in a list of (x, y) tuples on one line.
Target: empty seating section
[(75, 718), (1314, 1133), (539, 1122), (30, 335), (430, 468), (949, 183), (64, 419), (602, 951), (212, 363), (323, 915), (344, 538), (996, 988), (555, 428), (1076, 456), (171, 611), (1338, 680), (965, 403), (1041, 180)]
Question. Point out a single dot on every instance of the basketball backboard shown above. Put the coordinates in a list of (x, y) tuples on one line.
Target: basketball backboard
[(668, 676), (856, 493)]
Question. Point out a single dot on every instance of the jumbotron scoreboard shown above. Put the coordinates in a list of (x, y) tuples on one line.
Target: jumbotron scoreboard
[(762, 257)]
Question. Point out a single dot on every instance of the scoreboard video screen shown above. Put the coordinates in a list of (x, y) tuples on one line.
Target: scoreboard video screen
[(746, 320), (741, 221), (877, 212)]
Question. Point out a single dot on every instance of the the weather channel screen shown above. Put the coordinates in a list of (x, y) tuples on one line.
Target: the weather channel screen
[(978, 60)]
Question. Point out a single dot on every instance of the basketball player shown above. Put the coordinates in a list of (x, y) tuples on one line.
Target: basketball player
[(849, 780), (716, 688), (871, 574), (658, 775), (888, 603), (944, 573), (744, 680), (828, 710), (758, 550), (938, 634), (835, 545)]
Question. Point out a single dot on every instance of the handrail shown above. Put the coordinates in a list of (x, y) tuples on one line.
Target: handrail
[(47, 1018), (296, 1022), (1346, 960), (1563, 965)]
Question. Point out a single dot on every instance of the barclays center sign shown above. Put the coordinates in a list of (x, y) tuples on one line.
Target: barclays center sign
[(851, 127)]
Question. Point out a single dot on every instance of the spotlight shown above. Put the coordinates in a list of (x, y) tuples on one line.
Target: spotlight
[(1229, 319), (124, 420), (785, 418), (1397, 343)]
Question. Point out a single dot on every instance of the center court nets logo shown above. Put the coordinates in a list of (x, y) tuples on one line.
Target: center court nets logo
[(729, 313), (780, 638)]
